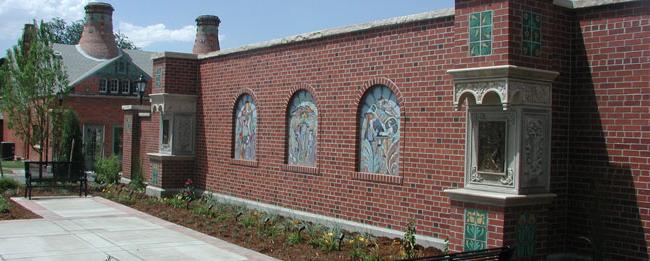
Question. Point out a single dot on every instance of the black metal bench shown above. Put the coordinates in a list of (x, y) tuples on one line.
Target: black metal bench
[(502, 254), (54, 174)]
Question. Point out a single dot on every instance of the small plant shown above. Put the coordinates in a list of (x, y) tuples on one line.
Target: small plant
[(176, 202), (204, 209), (4, 205), (445, 250), (108, 170), (328, 241), (294, 238), (137, 180), (250, 220), (408, 243)]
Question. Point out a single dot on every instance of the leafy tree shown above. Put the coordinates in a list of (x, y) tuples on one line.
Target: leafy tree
[(32, 75), (64, 33), (70, 33), (70, 137)]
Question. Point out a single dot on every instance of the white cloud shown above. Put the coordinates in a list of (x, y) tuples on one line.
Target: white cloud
[(143, 36), (14, 14)]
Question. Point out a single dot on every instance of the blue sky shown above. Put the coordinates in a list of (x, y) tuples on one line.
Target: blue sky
[(169, 25)]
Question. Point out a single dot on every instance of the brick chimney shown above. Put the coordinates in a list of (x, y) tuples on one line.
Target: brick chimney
[(207, 34), (97, 39), (28, 36)]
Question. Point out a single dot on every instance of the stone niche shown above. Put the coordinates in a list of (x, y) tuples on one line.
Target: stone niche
[(177, 123), (508, 135)]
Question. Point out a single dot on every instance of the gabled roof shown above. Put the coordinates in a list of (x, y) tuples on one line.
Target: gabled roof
[(80, 65)]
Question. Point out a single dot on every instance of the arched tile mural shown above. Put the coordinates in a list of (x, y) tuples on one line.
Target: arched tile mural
[(379, 117), (303, 129), (245, 128)]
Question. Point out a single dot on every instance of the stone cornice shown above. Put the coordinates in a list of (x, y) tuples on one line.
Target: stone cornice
[(498, 199), (504, 71)]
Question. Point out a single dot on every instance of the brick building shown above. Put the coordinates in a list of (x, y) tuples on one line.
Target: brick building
[(102, 78), (519, 122)]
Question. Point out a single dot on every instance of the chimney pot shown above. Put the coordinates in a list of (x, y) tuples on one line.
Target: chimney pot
[(207, 34), (97, 39)]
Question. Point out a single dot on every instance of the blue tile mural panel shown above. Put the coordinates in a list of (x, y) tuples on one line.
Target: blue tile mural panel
[(245, 128), (526, 230), (303, 130), (480, 33), (476, 227), (380, 130)]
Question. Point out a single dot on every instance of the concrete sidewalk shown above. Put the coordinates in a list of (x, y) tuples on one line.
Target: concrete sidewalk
[(94, 228)]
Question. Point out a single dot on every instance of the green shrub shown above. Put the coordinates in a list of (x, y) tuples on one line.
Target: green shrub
[(408, 243), (4, 205), (137, 179), (8, 184), (108, 170), (71, 131), (250, 220), (327, 241), (176, 202), (294, 238)]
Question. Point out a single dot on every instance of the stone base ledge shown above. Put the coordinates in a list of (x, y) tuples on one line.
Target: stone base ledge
[(169, 157), (160, 192), (326, 220), (498, 199)]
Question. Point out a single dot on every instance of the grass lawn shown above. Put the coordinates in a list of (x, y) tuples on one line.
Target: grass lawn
[(15, 164)]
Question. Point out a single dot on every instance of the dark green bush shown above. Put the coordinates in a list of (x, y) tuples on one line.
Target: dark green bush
[(7, 184), (108, 170), (4, 205), (70, 131)]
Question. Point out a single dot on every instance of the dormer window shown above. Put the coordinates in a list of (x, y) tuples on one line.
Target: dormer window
[(114, 86), (103, 85), (125, 87)]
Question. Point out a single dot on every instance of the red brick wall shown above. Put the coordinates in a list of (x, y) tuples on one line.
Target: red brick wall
[(412, 56), (610, 131), (179, 77), (600, 152)]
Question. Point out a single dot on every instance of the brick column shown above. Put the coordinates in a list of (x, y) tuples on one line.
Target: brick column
[(131, 138), (173, 102)]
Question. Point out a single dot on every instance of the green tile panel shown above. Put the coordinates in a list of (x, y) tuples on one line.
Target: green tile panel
[(476, 229)]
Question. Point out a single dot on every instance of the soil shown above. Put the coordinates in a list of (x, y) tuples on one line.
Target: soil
[(16, 211), (233, 231)]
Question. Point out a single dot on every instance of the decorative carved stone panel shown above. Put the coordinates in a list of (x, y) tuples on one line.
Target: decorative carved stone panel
[(508, 130)]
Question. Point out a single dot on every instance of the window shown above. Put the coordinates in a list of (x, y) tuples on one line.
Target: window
[(245, 128), (480, 33), (491, 147), (114, 86), (379, 119), (125, 87), (103, 85), (532, 39), (165, 136), (117, 140), (303, 130), (121, 67)]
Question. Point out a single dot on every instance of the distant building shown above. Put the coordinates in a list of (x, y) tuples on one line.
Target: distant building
[(102, 78)]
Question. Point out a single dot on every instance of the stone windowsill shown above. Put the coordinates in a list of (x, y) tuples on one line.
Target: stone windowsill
[(498, 199), (249, 163), (380, 178), (164, 157), (301, 169)]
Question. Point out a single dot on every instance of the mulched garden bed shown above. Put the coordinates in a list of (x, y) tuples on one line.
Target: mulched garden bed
[(16, 211), (273, 235)]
